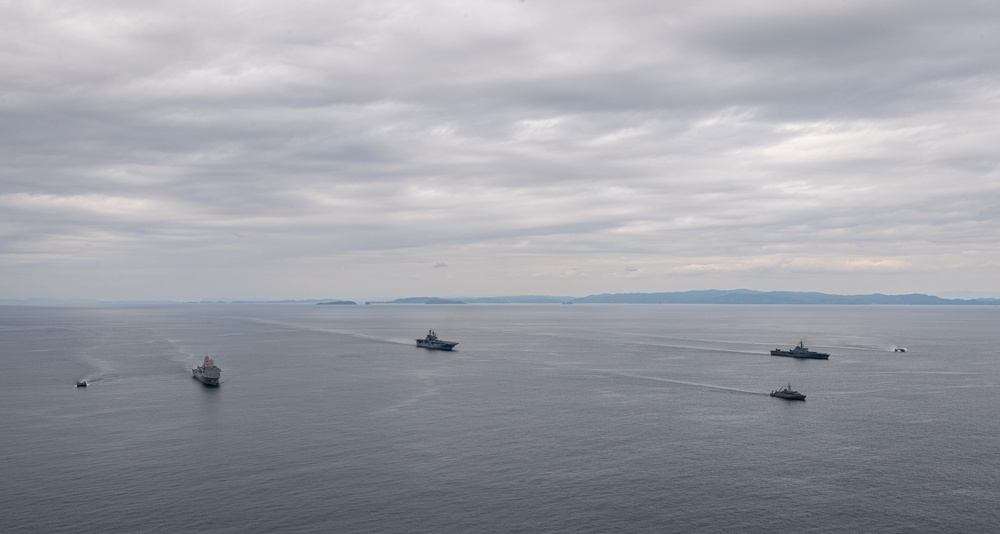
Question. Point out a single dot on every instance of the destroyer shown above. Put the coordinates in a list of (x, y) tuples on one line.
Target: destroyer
[(801, 351), (431, 341), (207, 373), (788, 393)]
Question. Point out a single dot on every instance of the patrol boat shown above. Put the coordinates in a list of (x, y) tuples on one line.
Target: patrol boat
[(207, 373), (788, 393), (431, 341), (801, 351)]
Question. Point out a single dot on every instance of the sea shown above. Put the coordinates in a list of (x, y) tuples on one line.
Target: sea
[(546, 418)]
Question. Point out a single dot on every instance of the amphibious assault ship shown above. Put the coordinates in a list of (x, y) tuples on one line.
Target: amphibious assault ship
[(207, 373), (431, 341)]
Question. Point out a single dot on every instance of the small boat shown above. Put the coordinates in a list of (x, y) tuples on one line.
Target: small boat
[(81, 383), (431, 341), (899, 349), (801, 351), (788, 393)]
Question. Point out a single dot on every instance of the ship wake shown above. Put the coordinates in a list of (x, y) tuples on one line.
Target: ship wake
[(660, 380)]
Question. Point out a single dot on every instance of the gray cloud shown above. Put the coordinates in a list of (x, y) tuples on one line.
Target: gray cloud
[(187, 149)]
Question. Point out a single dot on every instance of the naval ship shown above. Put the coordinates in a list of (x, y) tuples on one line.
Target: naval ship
[(788, 393), (801, 351), (207, 373), (431, 341)]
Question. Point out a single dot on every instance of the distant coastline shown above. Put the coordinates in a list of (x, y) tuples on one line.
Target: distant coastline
[(747, 296), (709, 296), (706, 296)]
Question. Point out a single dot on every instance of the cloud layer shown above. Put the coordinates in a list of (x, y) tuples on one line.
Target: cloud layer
[(255, 150)]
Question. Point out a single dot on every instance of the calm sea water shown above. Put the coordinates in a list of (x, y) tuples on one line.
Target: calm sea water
[(582, 418)]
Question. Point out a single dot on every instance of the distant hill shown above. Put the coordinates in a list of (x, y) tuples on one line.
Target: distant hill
[(706, 296), (748, 296)]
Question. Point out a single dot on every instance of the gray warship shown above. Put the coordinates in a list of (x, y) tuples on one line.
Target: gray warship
[(788, 393), (801, 351), (207, 373), (431, 341)]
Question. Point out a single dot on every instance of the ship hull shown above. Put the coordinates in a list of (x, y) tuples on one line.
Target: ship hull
[(787, 396), (803, 356), (208, 378), (436, 345), (208, 381)]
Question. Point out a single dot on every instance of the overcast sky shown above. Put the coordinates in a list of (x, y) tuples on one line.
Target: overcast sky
[(329, 149)]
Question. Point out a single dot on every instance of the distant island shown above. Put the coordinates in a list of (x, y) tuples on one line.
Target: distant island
[(748, 296), (706, 296)]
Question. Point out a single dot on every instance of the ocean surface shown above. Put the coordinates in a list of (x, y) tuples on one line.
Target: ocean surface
[(546, 418)]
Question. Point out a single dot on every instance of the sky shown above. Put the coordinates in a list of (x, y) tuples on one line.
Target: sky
[(190, 150)]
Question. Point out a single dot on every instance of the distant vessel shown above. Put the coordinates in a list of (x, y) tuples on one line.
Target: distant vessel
[(801, 351), (431, 341), (899, 349), (207, 373), (788, 393), (81, 383)]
